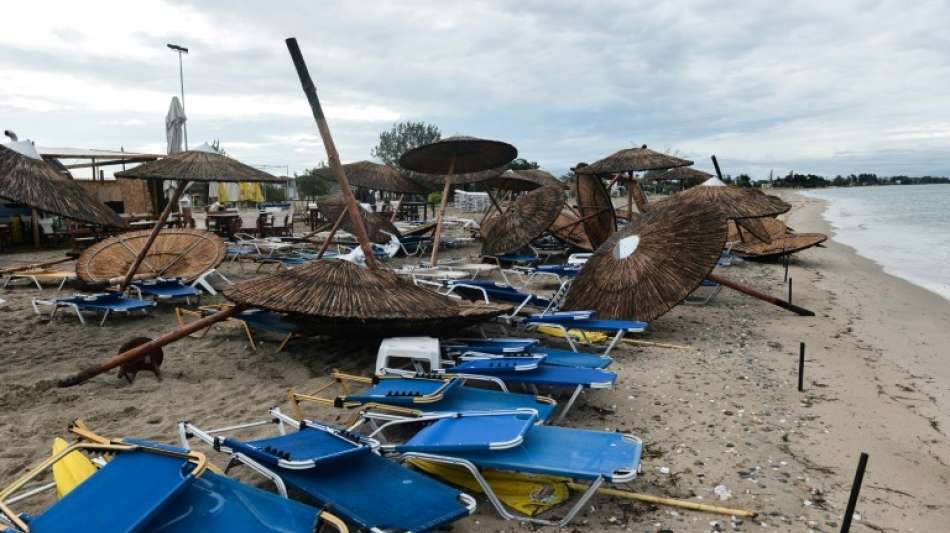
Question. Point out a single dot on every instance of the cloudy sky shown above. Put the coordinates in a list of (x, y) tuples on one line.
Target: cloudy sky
[(814, 86)]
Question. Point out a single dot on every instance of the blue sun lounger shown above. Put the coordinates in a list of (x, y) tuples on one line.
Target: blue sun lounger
[(493, 291), (514, 442), (566, 321), (166, 289), (345, 473), (106, 303), (152, 487), (516, 346), (420, 395)]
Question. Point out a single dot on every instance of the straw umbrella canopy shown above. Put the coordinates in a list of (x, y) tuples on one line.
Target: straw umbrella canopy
[(522, 180), (185, 167), (687, 175), (378, 227), (652, 264), (27, 179), (379, 177), (742, 204), (633, 160), (454, 156), (596, 209), (176, 253), (338, 297), (569, 229), (783, 242), (525, 220)]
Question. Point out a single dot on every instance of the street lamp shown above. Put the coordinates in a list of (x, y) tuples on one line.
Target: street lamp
[(181, 78)]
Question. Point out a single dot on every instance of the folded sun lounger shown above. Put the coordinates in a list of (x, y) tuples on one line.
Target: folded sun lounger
[(152, 487), (568, 321), (345, 473), (417, 395), (553, 356), (105, 302), (512, 442)]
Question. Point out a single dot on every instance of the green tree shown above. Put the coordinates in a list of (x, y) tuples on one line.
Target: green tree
[(523, 164), (744, 180), (402, 137), (312, 183)]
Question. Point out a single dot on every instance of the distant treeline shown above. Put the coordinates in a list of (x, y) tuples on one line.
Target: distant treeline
[(811, 181)]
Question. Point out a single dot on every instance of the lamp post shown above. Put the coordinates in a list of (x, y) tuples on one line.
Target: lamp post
[(181, 78)]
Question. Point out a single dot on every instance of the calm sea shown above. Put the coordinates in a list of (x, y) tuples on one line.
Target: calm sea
[(903, 228)]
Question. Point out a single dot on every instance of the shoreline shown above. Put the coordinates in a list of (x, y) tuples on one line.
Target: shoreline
[(893, 268)]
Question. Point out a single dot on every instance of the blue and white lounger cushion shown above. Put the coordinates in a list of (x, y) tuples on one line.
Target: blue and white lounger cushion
[(107, 303)]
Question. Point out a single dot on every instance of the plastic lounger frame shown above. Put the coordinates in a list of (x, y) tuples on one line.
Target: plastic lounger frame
[(204, 311), (56, 305)]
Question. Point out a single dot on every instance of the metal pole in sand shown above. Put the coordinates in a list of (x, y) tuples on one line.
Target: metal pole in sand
[(855, 491)]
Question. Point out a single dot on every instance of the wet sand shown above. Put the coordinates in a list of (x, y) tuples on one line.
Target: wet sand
[(725, 413)]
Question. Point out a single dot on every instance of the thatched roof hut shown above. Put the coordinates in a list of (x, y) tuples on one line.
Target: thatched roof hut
[(651, 265), (338, 298), (32, 181), (525, 220), (194, 165), (176, 253), (632, 160)]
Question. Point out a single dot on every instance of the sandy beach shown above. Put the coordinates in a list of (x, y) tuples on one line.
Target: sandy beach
[(725, 413)]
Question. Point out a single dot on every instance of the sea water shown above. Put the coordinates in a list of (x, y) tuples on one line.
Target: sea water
[(903, 228)]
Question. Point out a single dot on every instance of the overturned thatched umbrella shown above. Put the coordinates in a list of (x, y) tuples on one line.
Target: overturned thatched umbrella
[(783, 241), (451, 158), (178, 253), (632, 160), (379, 228), (524, 221), (25, 178), (596, 209), (569, 229), (338, 297), (644, 270), (186, 167)]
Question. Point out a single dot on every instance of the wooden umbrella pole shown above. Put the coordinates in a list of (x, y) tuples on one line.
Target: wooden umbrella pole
[(310, 90), (495, 202), (11, 270), (682, 504), (638, 197), (36, 227), (182, 185), (143, 349), (322, 227), (613, 182), (801, 311), (398, 205), (333, 230), (434, 259)]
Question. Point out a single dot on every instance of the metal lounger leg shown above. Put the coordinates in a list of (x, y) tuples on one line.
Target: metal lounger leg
[(569, 404), (36, 282), (616, 339), (104, 317), (74, 308)]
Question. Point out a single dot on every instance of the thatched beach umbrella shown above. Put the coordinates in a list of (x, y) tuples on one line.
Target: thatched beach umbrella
[(452, 157), (328, 296), (179, 253), (25, 178), (569, 229), (185, 167), (596, 208), (522, 180), (651, 265), (379, 177), (783, 241), (525, 220), (379, 228), (687, 176), (632, 160)]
